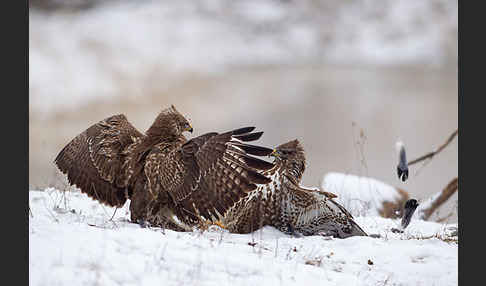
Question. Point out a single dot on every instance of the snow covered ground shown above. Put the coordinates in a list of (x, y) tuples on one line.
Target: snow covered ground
[(72, 241), (364, 196), (360, 195)]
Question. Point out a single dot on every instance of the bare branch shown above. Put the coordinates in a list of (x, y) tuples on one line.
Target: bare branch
[(446, 193), (433, 153)]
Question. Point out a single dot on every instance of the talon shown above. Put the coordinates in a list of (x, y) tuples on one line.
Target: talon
[(204, 224), (220, 224)]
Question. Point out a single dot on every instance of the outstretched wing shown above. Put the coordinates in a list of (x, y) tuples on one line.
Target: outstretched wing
[(210, 173), (93, 159), (318, 210), (308, 199), (318, 191)]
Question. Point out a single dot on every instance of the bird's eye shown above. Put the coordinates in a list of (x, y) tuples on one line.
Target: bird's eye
[(186, 127)]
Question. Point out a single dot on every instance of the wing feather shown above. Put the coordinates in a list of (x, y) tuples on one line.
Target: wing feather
[(315, 206), (212, 174), (93, 159)]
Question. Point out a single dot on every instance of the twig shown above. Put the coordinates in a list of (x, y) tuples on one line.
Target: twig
[(45, 206), (446, 193), (94, 225), (113, 214), (102, 207), (433, 153)]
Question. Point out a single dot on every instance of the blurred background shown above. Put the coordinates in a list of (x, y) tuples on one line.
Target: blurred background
[(347, 78)]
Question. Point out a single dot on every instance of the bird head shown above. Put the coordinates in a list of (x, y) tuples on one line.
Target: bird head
[(290, 156), (169, 123), (289, 150)]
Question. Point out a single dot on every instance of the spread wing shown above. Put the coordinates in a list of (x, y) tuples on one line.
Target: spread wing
[(210, 173), (319, 210), (310, 199), (318, 191), (93, 159)]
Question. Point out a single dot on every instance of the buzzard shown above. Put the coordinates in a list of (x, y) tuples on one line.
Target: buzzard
[(288, 206), (171, 181)]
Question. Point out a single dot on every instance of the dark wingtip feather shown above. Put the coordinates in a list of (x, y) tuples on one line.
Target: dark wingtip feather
[(60, 155), (254, 150), (257, 163), (57, 158), (357, 230), (242, 130), (251, 187), (258, 178), (60, 161), (249, 137)]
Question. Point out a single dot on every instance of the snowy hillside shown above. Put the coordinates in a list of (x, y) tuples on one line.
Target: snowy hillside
[(73, 242)]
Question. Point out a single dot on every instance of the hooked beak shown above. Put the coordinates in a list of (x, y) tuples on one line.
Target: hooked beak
[(189, 129), (274, 153)]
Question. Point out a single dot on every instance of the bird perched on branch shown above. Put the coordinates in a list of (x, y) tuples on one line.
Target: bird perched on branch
[(171, 181), (287, 205)]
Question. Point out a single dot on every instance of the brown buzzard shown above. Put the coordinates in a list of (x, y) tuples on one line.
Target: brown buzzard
[(171, 182), (288, 206)]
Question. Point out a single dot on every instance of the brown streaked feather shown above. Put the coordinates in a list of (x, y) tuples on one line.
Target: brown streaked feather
[(243, 130), (172, 182), (309, 203), (288, 206), (93, 159), (317, 191), (328, 195), (249, 137), (254, 150), (210, 175), (256, 163), (238, 155)]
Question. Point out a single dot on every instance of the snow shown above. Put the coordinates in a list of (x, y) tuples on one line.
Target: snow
[(72, 241), (420, 211), (359, 195)]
